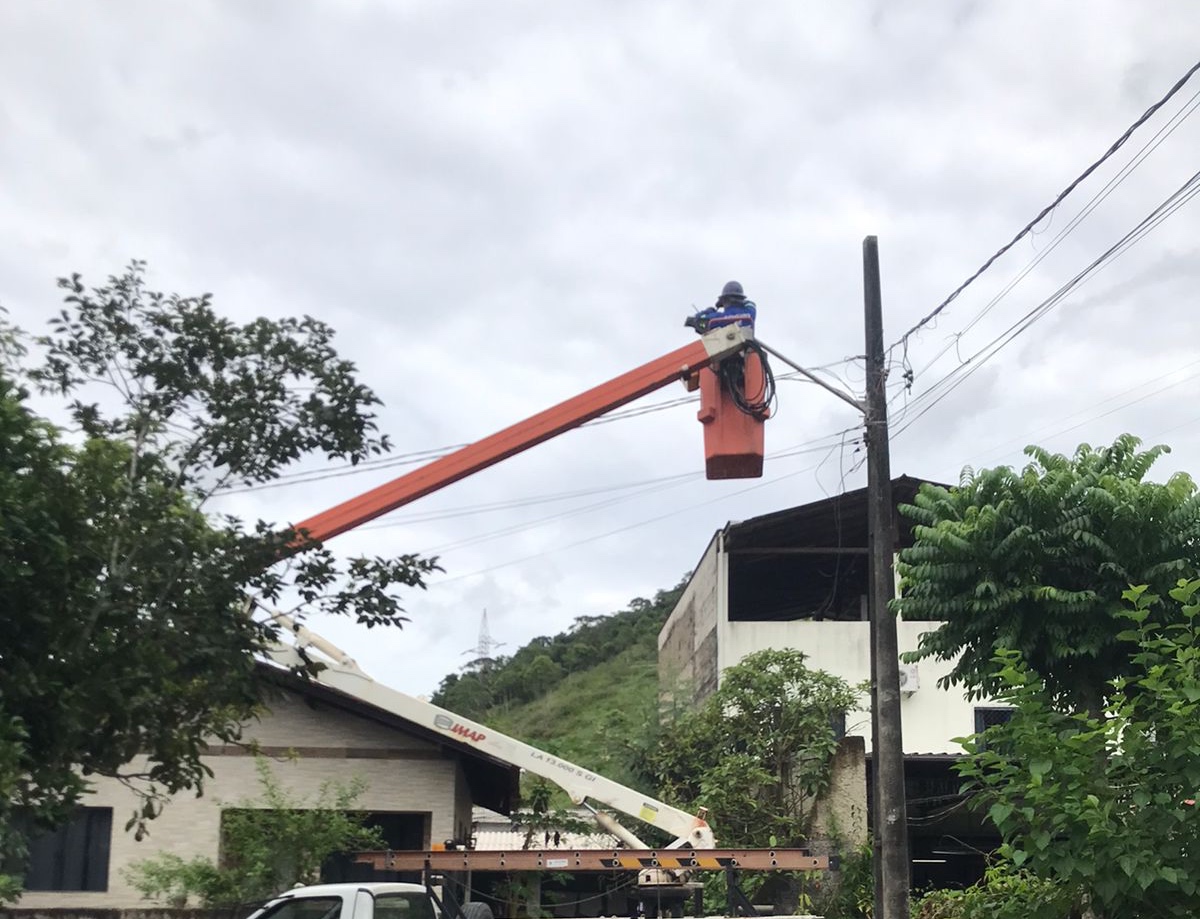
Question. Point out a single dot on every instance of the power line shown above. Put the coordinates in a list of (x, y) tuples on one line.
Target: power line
[(308, 477), (624, 529), (1117, 144), (1052, 430), (575, 512), (423, 456), (531, 500), (319, 475), (1115, 182), (655, 487), (953, 379), (515, 503)]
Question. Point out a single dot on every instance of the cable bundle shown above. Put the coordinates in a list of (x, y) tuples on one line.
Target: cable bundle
[(760, 404)]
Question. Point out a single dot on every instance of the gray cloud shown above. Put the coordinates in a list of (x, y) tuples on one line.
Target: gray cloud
[(498, 206)]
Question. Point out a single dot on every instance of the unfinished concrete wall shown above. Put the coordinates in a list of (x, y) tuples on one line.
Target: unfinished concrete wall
[(840, 818), (687, 643)]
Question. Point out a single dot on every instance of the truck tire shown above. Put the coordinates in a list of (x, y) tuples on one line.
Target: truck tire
[(476, 910)]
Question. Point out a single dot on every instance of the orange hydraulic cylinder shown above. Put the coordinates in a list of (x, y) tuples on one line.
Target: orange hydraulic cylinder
[(733, 439)]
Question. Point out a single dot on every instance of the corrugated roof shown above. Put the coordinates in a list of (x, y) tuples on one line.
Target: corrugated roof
[(495, 833), (807, 562), (510, 840), (840, 519)]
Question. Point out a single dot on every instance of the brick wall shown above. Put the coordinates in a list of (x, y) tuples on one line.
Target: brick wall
[(119, 914), (403, 774)]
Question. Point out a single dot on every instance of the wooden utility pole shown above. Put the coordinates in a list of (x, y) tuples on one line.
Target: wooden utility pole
[(891, 817)]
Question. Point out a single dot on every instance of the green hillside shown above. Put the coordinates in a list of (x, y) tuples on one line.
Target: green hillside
[(588, 694)]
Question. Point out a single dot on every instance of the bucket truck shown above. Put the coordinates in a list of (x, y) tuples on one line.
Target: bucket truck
[(586, 788), (731, 373)]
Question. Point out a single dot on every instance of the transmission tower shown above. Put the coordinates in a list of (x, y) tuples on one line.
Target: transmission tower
[(483, 654)]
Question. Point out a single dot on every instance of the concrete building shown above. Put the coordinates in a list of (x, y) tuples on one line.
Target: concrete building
[(798, 579), (420, 789)]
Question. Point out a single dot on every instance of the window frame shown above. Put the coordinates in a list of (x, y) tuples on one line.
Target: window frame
[(59, 861)]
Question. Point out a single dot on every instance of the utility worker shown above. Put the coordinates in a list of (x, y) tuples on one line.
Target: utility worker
[(734, 306), (731, 308)]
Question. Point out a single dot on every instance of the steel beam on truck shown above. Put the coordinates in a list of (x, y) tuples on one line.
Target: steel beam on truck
[(596, 860)]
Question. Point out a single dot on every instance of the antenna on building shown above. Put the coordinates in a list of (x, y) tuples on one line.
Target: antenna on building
[(484, 653)]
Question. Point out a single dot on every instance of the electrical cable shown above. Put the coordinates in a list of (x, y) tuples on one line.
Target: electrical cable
[(834, 577), (1051, 431), (732, 373), (1117, 144), (561, 515), (952, 380), (1115, 182), (1172, 204), (798, 377), (759, 403), (1123, 406), (424, 456), (674, 481), (598, 536), (528, 501), (320, 475), (516, 503)]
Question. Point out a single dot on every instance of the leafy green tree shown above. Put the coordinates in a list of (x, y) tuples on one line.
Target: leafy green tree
[(1035, 561), (123, 603), (268, 844), (1004, 892), (464, 694), (482, 691), (1104, 805), (758, 752)]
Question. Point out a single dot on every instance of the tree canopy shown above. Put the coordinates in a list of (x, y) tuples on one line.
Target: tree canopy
[(489, 686), (1104, 805), (1035, 561), (128, 642), (758, 751)]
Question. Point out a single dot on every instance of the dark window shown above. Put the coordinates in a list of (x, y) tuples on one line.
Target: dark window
[(400, 831), (74, 856), (837, 721), (403, 906), (990, 717), (307, 908)]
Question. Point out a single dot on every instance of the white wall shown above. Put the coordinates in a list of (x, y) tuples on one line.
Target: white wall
[(930, 717)]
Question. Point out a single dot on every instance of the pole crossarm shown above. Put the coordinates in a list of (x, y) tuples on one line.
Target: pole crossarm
[(597, 860), (812, 377)]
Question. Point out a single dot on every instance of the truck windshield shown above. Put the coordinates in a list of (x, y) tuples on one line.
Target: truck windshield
[(305, 908), (403, 906)]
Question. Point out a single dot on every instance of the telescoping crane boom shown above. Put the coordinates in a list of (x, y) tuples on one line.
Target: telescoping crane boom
[(726, 367), (661, 870), (340, 672)]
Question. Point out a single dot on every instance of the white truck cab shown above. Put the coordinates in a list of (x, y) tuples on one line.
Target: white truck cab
[(359, 901)]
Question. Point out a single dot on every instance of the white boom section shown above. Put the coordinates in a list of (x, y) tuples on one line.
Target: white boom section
[(341, 673)]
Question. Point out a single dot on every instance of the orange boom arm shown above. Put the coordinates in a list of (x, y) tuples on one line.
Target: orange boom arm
[(682, 363)]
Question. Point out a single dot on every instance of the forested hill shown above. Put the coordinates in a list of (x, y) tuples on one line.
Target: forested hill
[(588, 694)]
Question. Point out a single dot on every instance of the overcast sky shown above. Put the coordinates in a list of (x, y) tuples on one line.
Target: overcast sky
[(499, 205)]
